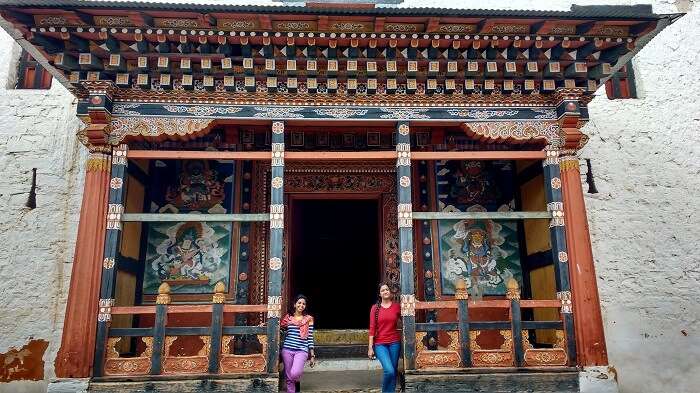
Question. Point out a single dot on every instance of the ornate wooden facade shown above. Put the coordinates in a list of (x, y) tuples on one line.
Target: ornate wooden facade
[(152, 80)]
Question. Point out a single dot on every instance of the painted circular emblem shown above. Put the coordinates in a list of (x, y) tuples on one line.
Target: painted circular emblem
[(405, 181), (243, 276), (570, 106), (277, 127), (407, 256), (556, 183), (428, 274), (403, 129), (277, 182), (426, 240), (275, 263), (116, 183), (244, 239), (563, 257), (96, 100)]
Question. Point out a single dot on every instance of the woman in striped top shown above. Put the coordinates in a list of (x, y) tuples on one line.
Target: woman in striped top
[(298, 345)]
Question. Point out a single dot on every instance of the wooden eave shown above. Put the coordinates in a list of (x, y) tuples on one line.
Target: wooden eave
[(497, 39)]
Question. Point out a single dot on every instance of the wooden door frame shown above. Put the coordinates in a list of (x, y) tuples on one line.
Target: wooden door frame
[(290, 200)]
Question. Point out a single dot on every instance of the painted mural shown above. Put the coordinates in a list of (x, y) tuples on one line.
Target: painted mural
[(190, 256), (483, 252)]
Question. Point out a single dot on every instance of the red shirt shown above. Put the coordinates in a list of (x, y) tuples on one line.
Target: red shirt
[(386, 332)]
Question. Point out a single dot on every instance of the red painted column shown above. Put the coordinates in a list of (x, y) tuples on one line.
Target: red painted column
[(75, 357), (588, 320)]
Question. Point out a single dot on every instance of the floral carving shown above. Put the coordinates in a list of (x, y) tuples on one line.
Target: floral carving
[(341, 113), (155, 126), (202, 110), (482, 114)]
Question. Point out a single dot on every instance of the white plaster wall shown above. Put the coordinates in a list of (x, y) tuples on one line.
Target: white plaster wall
[(37, 130), (644, 222)]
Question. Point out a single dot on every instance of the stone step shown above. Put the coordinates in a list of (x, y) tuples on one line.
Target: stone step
[(341, 381), (348, 364)]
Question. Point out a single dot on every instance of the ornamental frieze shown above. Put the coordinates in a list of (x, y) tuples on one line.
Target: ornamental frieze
[(237, 24), (341, 113), (155, 126), (339, 183), (351, 26), (113, 21), (295, 25), (176, 23), (482, 114), (202, 110), (457, 28), (310, 110), (516, 130), (403, 27)]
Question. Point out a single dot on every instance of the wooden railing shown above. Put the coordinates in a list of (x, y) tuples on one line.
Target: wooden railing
[(464, 348), (154, 354)]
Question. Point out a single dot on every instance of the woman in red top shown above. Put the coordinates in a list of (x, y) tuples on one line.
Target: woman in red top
[(384, 337)]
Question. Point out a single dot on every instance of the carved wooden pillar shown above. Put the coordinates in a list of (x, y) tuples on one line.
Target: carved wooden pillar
[(558, 228), (74, 359), (405, 221), (113, 226), (588, 321), (274, 283)]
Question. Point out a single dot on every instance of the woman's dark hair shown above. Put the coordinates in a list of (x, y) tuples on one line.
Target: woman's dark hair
[(377, 305), (291, 308)]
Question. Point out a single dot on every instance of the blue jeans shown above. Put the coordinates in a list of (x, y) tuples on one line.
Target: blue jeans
[(388, 356)]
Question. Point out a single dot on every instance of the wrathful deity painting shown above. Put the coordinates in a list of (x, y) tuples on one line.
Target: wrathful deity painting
[(190, 256), (485, 253)]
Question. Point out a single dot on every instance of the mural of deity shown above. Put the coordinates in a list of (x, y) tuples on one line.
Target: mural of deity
[(471, 183), (191, 254), (198, 187), (485, 253)]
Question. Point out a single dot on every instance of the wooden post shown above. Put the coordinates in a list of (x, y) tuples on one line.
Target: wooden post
[(583, 298), (462, 295), (162, 301), (553, 194), (217, 316), (79, 328), (405, 221), (274, 284), (115, 208), (513, 294)]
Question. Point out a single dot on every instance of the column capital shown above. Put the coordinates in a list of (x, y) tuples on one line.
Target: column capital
[(98, 162)]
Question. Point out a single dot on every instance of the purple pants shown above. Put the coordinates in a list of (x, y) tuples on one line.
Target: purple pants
[(293, 366)]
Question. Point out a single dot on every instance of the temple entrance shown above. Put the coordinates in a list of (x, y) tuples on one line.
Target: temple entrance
[(335, 258)]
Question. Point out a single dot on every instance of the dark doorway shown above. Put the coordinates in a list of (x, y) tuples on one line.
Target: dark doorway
[(335, 259)]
